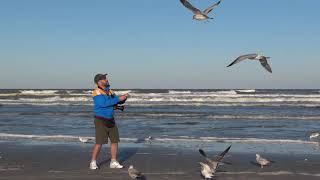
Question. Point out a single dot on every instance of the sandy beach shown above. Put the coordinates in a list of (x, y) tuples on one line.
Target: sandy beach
[(62, 161)]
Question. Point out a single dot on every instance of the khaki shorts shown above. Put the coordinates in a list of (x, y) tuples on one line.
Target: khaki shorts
[(103, 132)]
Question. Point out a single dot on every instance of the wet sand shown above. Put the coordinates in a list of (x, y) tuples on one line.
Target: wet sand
[(62, 161)]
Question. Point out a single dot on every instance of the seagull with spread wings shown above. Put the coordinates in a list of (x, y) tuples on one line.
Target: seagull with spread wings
[(198, 14), (214, 163), (263, 60)]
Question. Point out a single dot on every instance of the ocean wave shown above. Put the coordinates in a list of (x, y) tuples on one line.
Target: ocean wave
[(236, 140), (221, 99), (8, 94), (254, 117), (162, 139), (179, 92), (220, 94), (56, 99), (246, 90), (38, 92), (226, 92), (88, 102), (122, 92), (231, 117)]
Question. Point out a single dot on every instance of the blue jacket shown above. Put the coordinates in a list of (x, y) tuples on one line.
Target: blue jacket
[(103, 103)]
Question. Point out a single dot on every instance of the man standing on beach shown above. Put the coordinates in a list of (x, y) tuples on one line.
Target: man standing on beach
[(105, 126)]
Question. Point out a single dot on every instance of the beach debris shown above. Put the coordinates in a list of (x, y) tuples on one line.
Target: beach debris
[(206, 171), (263, 60), (149, 139), (314, 135), (54, 171), (198, 14), (133, 173), (84, 139), (262, 161), (12, 168), (216, 161)]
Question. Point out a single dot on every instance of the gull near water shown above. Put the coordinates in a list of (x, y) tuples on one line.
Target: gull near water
[(214, 163), (198, 14), (133, 173), (263, 60), (262, 161), (206, 171), (84, 140), (314, 135)]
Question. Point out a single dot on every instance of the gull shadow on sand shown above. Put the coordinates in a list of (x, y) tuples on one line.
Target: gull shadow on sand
[(141, 178), (226, 163), (213, 178), (258, 165), (255, 163)]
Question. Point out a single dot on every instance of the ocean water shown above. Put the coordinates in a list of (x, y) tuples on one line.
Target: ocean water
[(169, 116)]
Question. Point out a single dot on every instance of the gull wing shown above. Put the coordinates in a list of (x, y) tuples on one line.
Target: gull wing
[(265, 64), (209, 9), (190, 7), (205, 155), (241, 58), (221, 156)]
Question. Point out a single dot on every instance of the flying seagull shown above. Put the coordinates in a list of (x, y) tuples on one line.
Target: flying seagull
[(214, 163), (133, 173), (198, 14), (206, 171), (262, 161), (261, 58)]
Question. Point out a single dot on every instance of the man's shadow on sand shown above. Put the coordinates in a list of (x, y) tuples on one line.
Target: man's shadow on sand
[(123, 155)]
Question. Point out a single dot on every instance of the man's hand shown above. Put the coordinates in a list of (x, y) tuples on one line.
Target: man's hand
[(124, 97), (127, 95)]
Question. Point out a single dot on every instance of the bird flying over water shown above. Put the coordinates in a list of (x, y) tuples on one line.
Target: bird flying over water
[(263, 60), (214, 163), (198, 14)]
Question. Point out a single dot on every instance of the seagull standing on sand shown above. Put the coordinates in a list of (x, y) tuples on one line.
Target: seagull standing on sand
[(133, 173), (206, 171), (262, 161), (200, 15), (84, 140), (314, 135), (214, 163), (263, 60)]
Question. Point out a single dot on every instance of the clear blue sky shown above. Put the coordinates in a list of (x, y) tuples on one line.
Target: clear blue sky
[(156, 44)]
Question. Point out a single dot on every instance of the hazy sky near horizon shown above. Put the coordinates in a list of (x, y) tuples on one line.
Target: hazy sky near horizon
[(156, 44)]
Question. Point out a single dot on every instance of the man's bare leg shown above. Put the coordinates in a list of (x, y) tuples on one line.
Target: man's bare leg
[(114, 151), (96, 151)]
